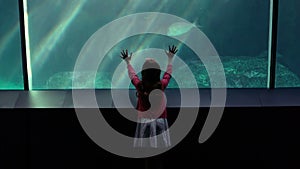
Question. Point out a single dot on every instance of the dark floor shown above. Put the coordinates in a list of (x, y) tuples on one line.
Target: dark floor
[(247, 137)]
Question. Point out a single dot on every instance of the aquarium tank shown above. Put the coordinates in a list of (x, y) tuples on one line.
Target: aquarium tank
[(11, 75), (60, 33), (287, 66)]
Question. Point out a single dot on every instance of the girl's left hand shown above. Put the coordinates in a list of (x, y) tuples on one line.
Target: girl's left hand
[(124, 55), (172, 51)]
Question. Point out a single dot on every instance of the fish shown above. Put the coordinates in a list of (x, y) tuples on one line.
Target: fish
[(180, 28)]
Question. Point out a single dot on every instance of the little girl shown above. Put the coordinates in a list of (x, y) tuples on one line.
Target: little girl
[(152, 118)]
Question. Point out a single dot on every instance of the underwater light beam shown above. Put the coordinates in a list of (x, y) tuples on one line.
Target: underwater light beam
[(128, 5), (5, 41), (53, 36), (7, 38), (188, 12), (145, 42)]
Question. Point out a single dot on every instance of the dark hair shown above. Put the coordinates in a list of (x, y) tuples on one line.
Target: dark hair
[(150, 80)]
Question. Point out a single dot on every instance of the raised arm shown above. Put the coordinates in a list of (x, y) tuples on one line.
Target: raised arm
[(131, 72), (167, 75)]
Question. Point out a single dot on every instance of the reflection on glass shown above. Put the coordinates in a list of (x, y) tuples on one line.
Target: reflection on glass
[(11, 76), (288, 61), (237, 29)]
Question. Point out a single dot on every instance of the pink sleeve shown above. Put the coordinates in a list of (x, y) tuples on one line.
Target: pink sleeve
[(167, 76), (132, 75)]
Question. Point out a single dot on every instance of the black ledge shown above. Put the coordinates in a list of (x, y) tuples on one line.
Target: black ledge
[(281, 97)]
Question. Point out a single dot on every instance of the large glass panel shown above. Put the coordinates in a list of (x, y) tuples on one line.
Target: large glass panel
[(288, 61), (11, 76), (237, 29)]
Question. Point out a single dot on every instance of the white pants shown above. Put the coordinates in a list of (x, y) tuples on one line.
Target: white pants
[(152, 133)]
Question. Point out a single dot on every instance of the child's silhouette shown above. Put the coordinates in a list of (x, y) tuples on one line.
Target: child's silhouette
[(152, 118)]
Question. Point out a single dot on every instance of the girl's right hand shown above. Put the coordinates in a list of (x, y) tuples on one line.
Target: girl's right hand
[(172, 51)]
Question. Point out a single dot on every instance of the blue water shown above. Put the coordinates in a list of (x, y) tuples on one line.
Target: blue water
[(237, 29), (11, 76)]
